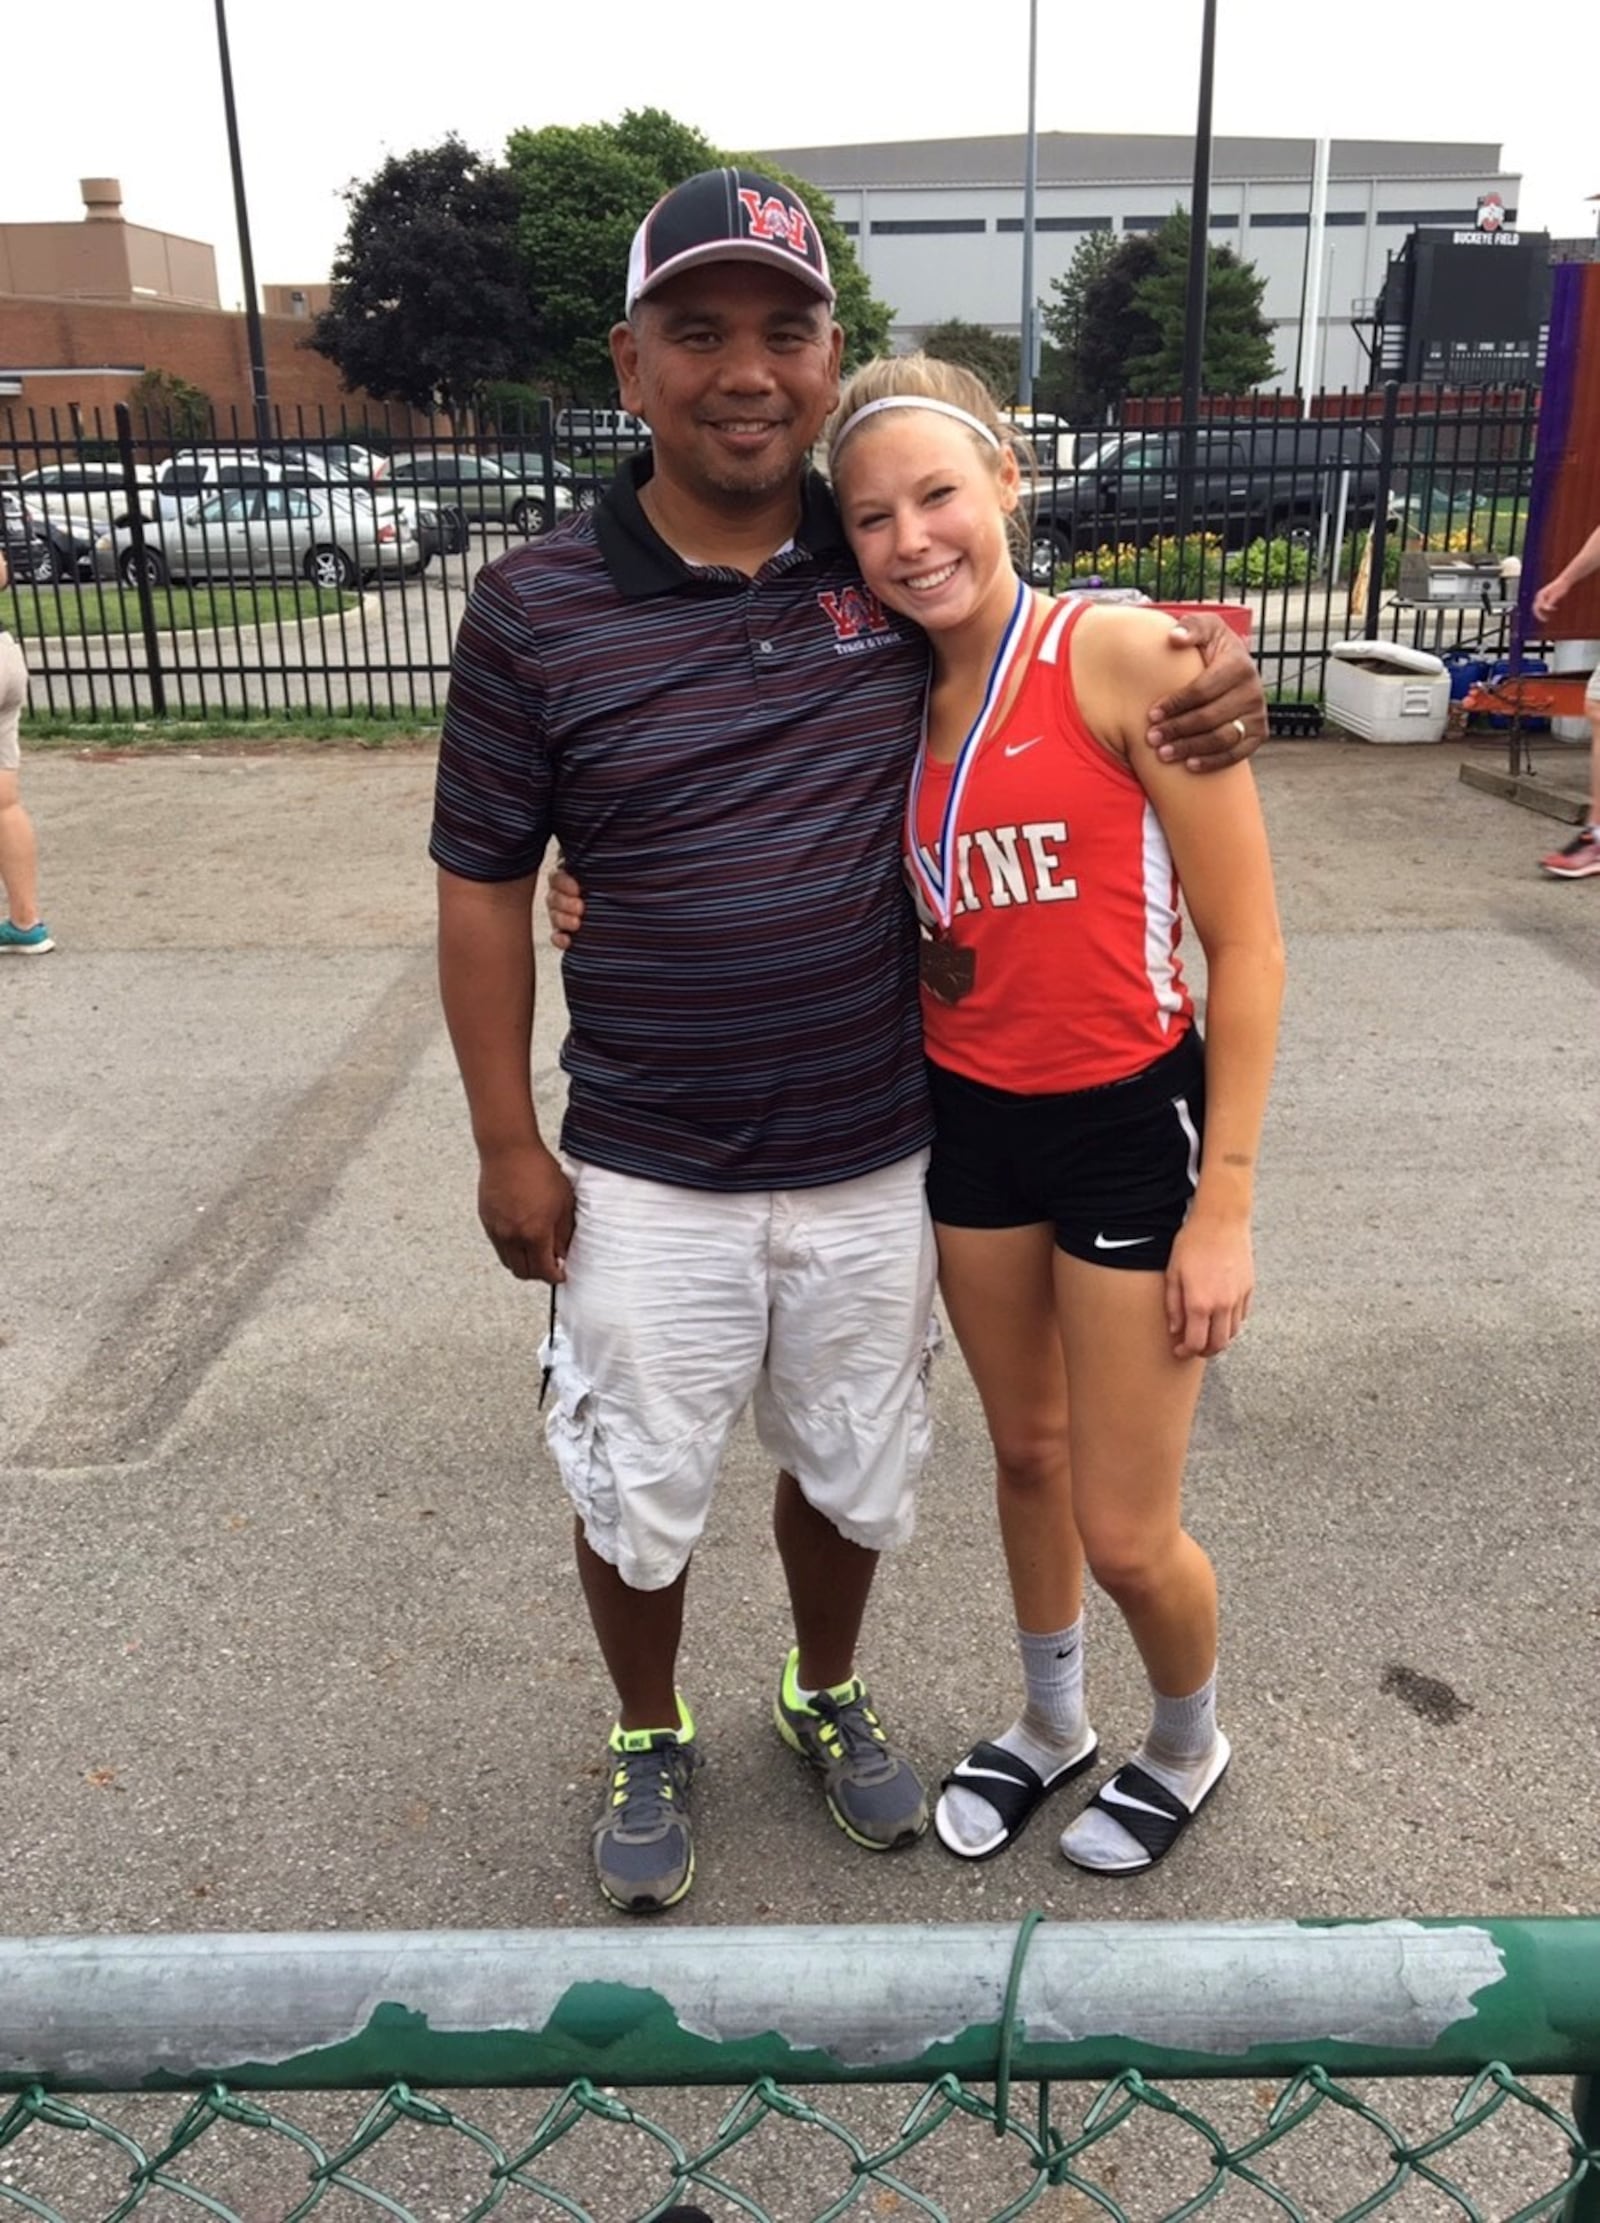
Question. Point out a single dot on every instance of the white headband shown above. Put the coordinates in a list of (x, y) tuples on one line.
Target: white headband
[(910, 401)]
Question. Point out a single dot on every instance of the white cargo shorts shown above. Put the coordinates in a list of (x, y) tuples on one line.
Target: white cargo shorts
[(815, 1306)]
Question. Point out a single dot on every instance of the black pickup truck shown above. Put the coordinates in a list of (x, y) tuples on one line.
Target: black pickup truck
[(1250, 482)]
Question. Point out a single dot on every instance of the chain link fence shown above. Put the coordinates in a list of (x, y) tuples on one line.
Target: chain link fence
[(1126, 2071)]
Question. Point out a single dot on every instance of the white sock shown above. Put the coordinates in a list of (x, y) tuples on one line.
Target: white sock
[(1050, 1732), (1179, 1750)]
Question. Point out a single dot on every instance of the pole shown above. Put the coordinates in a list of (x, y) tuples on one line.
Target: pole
[(1311, 300), (1194, 314), (252, 314), (1030, 195)]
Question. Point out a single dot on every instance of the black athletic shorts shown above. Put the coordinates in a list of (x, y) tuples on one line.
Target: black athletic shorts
[(1111, 1169)]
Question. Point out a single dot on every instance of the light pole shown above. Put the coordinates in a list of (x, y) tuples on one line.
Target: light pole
[(1030, 194), (252, 314), (1194, 315)]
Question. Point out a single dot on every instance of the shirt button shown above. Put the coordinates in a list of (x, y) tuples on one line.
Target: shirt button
[(764, 647)]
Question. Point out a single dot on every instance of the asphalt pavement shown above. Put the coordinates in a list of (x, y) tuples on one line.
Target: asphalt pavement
[(292, 1638)]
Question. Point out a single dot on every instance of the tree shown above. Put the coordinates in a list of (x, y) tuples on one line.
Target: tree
[(172, 409), (1064, 319), (1238, 340), (582, 190), (995, 356), (1118, 320), (430, 293)]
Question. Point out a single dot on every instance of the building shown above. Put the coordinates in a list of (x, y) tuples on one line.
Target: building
[(87, 308), (938, 222)]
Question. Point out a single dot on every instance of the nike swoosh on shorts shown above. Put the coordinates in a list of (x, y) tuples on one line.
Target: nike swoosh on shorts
[(1119, 1242)]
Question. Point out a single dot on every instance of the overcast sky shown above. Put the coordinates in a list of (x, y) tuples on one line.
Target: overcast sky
[(326, 91)]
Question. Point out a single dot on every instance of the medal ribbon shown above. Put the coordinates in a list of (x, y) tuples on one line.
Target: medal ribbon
[(937, 881)]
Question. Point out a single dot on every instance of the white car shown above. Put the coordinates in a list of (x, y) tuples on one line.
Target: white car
[(332, 536)]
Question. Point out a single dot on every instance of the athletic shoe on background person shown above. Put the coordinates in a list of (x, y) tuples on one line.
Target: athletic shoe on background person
[(873, 1794), (25, 941), (1580, 857), (643, 1841)]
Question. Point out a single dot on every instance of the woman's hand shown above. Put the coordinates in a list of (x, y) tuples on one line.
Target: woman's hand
[(563, 902), (1210, 1280)]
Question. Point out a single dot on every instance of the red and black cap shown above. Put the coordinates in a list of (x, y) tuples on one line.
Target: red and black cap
[(727, 216)]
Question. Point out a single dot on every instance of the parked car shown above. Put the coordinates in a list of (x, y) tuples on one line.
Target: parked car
[(36, 551), (528, 464), (477, 486), (184, 479), (1249, 482), (332, 536), (341, 458), (601, 432), (77, 501)]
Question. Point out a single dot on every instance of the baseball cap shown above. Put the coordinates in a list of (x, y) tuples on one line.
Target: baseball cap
[(727, 215)]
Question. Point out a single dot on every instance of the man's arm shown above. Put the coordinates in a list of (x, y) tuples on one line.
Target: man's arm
[(486, 984), (1554, 590), (1220, 718)]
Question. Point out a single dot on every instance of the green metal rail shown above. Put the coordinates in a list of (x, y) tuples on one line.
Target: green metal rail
[(594, 2013)]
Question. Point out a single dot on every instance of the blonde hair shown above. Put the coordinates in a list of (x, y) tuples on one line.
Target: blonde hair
[(953, 388), (925, 379)]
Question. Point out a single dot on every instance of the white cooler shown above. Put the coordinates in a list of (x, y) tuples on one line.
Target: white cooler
[(1379, 691)]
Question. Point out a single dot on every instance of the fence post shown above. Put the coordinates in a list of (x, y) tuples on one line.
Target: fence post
[(1583, 2201), (1380, 514), (147, 614)]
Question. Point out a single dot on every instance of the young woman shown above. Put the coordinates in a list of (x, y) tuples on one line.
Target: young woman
[(1092, 1169)]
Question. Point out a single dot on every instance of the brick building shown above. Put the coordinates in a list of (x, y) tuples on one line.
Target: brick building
[(86, 308)]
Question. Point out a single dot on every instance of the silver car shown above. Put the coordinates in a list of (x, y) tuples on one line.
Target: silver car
[(331, 536)]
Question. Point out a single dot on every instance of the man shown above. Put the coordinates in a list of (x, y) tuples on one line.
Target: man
[(690, 688), (1581, 857)]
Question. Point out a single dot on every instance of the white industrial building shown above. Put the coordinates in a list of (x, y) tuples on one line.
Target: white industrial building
[(937, 223)]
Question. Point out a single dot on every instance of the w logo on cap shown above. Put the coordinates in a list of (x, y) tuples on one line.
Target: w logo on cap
[(775, 219)]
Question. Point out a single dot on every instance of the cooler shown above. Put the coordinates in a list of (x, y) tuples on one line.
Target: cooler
[(1379, 691)]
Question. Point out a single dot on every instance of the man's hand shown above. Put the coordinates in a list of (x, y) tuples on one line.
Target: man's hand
[(526, 1205), (1547, 598), (1222, 717), (563, 901)]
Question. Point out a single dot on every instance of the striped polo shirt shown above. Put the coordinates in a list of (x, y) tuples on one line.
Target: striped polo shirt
[(723, 762)]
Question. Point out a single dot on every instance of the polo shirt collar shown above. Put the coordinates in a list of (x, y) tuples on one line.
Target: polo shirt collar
[(641, 564)]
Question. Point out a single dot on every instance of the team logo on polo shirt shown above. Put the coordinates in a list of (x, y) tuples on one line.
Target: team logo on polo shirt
[(859, 621)]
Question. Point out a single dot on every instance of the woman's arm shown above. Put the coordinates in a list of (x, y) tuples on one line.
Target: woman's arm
[(1218, 840)]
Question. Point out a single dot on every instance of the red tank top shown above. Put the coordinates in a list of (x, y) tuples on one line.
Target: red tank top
[(1065, 894)]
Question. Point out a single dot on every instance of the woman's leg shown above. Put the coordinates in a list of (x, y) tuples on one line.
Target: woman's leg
[(999, 1291), (1132, 1407), (19, 854)]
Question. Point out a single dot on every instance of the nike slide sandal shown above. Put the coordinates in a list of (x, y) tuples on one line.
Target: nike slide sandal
[(1013, 1789), (1145, 1810)]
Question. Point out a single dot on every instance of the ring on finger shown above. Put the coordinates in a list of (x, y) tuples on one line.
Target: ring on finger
[(1239, 728)]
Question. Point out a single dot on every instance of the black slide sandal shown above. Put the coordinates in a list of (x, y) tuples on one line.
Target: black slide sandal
[(1015, 1791)]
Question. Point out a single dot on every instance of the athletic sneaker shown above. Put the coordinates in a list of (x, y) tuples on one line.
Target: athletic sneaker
[(872, 1793), (26, 941), (643, 1843), (1580, 857)]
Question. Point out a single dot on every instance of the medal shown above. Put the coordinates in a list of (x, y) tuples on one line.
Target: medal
[(948, 973), (934, 878)]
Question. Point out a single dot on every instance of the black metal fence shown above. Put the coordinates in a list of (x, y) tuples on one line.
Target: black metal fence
[(169, 570)]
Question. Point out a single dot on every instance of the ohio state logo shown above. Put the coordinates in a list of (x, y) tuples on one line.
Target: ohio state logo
[(1491, 212), (852, 612), (775, 220)]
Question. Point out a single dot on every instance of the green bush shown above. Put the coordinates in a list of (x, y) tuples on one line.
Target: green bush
[(1350, 556), (1163, 569), (1270, 563), (511, 408)]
